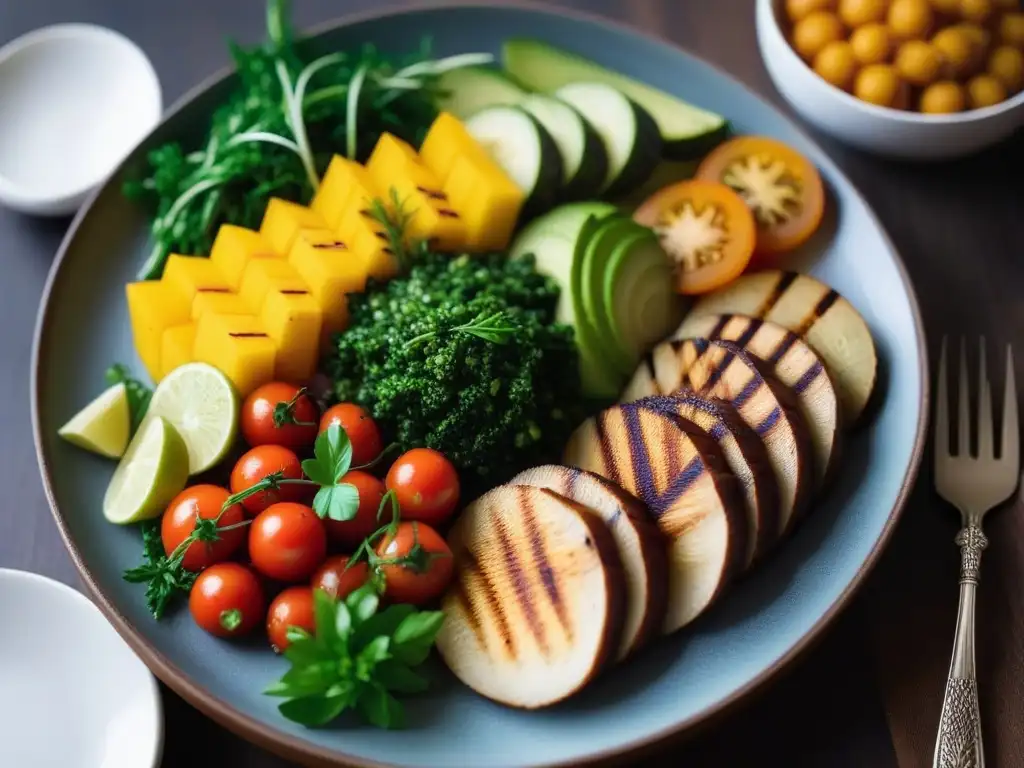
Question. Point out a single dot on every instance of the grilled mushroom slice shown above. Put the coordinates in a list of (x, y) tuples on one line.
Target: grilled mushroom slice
[(723, 370), (536, 607), (816, 313), (641, 546), (795, 365), (745, 454), (678, 472)]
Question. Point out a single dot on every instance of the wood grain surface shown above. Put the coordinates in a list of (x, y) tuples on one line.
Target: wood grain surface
[(869, 695)]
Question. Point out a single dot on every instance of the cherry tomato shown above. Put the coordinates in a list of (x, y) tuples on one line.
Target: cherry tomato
[(781, 186), (287, 542), (338, 580), (426, 485), (264, 460), (280, 414), (226, 600), (423, 568), (292, 608), (179, 521), (361, 430), (351, 533), (706, 228)]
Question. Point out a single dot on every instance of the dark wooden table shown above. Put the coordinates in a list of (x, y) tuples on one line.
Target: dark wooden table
[(868, 695)]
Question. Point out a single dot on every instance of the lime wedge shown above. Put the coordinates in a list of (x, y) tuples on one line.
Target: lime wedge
[(103, 426), (153, 471), (202, 405)]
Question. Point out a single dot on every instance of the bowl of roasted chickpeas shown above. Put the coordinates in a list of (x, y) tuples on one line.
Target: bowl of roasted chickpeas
[(912, 79)]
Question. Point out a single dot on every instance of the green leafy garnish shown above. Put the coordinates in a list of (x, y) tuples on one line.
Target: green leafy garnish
[(332, 457), (358, 658), (493, 328), (138, 393), (163, 576), (289, 114)]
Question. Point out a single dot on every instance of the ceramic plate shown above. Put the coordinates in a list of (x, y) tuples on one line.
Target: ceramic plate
[(763, 623)]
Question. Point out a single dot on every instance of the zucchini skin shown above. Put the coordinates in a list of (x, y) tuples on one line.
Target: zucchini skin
[(549, 180), (587, 181), (697, 146), (647, 151)]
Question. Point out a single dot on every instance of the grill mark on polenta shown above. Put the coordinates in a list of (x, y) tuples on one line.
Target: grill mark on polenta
[(609, 465), (334, 245), (782, 348), (471, 565), (521, 584), (469, 609), (786, 279), (823, 306), (808, 377), (769, 421), (643, 473), (247, 335), (293, 292), (433, 194), (212, 290), (540, 558), (447, 213)]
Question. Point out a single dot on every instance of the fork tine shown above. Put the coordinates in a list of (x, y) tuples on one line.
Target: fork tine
[(985, 425), (963, 437), (1011, 433), (942, 409)]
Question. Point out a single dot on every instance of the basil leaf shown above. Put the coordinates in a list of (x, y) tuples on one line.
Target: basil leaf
[(305, 680), (376, 650), (383, 623), (333, 451), (397, 677), (306, 651), (342, 620), (380, 708), (363, 603), (325, 612), (296, 634), (313, 710), (415, 636)]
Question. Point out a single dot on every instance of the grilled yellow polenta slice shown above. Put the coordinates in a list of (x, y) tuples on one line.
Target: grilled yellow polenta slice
[(331, 271), (282, 221), (391, 158), (153, 307), (679, 473), (265, 275), (641, 546), (488, 201), (346, 184), (177, 346), (536, 607), (445, 142), (233, 248), (219, 303), (293, 319), (431, 215), (239, 346), (366, 238)]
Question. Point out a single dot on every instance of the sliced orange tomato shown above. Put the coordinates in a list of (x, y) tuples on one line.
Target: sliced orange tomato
[(706, 228), (781, 186)]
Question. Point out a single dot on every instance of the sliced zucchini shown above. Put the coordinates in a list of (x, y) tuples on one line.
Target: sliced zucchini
[(524, 150), (584, 159), (470, 89), (628, 132), (688, 131)]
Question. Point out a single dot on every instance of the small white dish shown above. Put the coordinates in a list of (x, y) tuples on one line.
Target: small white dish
[(887, 132), (75, 100), (73, 692)]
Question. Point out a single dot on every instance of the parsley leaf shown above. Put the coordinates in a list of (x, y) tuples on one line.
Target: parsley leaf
[(165, 578), (332, 458)]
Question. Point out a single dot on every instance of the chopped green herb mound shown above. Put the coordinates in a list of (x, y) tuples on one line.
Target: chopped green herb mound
[(463, 356)]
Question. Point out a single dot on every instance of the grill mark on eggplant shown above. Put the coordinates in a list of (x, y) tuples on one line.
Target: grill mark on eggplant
[(638, 455), (679, 485), (786, 279), (748, 391), (823, 306), (782, 348), (469, 609), (521, 584), (471, 564), (540, 558), (808, 377), (716, 331), (769, 421), (609, 465)]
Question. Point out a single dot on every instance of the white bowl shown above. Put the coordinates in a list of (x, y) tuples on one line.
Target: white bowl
[(75, 100), (74, 693), (890, 132)]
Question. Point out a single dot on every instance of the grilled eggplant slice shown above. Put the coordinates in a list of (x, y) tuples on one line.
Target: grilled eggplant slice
[(723, 370), (816, 313), (536, 608), (745, 454), (795, 365), (678, 472), (641, 546)]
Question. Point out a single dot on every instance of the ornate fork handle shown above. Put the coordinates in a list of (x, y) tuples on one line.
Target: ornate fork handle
[(958, 744)]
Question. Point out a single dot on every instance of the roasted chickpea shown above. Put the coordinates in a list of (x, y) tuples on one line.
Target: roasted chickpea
[(918, 62), (856, 13), (956, 49), (878, 84), (1011, 29), (980, 39), (815, 31), (975, 10), (943, 98), (1006, 64), (984, 91), (836, 64), (871, 43), (797, 9), (910, 19)]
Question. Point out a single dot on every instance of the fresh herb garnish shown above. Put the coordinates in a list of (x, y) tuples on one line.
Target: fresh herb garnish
[(138, 393), (163, 576), (493, 328), (275, 136), (358, 658), (332, 457), (394, 219)]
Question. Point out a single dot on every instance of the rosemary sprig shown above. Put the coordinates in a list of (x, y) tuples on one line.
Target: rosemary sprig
[(495, 328)]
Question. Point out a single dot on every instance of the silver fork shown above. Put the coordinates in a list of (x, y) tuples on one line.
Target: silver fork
[(974, 485)]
